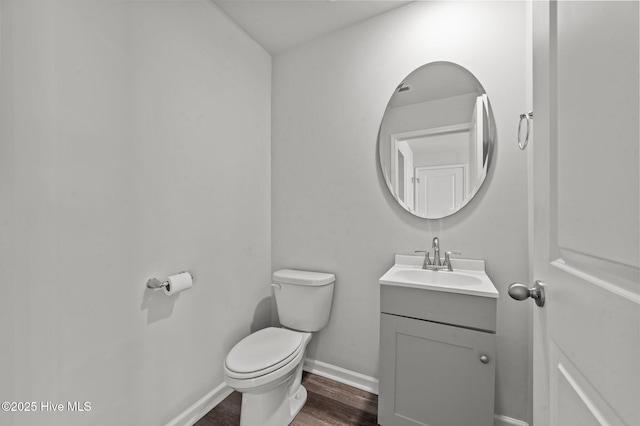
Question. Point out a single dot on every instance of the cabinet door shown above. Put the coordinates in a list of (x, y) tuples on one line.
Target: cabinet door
[(431, 374)]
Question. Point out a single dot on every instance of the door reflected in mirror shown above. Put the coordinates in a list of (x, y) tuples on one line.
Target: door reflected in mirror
[(435, 140)]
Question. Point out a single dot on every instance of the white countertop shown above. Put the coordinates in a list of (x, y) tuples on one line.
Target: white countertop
[(468, 276)]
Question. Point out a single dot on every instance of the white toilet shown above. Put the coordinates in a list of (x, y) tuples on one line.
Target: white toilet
[(266, 366)]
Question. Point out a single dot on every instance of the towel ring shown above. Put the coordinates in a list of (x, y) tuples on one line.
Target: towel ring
[(527, 116)]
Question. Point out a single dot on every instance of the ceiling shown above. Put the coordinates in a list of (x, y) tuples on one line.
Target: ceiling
[(436, 81), (278, 25)]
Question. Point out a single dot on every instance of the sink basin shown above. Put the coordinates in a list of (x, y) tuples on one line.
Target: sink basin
[(422, 276), (468, 277)]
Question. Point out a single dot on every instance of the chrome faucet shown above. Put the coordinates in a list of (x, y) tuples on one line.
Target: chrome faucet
[(437, 264), (436, 251)]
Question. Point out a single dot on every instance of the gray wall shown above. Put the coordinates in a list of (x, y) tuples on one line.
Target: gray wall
[(331, 210), (134, 143)]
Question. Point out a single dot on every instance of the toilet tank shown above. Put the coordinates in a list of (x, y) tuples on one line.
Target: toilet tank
[(303, 298)]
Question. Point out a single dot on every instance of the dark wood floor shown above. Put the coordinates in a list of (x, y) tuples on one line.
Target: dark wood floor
[(328, 403)]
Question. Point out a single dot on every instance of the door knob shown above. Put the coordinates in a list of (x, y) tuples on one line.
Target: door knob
[(521, 292)]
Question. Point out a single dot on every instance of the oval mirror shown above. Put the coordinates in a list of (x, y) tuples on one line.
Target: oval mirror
[(436, 139)]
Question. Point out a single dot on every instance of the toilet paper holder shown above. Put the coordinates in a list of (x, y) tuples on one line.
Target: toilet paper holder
[(154, 283)]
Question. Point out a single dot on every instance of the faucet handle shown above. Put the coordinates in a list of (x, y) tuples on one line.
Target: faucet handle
[(447, 258), (427, 260)]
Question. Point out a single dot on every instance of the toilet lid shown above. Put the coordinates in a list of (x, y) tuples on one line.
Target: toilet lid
[(263, 349)]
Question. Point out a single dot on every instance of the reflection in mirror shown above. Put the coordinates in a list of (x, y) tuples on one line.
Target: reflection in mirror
[(435, 140)]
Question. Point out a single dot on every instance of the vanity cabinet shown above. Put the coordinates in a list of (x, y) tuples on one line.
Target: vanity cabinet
[(437, 358)]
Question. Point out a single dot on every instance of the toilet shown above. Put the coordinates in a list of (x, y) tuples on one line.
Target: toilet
[(266, 366)]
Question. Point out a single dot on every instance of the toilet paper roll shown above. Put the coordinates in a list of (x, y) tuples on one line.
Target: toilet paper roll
[(179, 282)]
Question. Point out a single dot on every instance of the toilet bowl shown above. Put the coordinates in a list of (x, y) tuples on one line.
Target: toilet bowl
[(266, 366)]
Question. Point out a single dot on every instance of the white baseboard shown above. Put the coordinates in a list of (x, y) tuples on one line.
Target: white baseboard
[(205, 404), (500, 420), (342, 375)]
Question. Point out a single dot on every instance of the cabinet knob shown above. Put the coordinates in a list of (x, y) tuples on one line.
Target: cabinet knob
[(484, 359)]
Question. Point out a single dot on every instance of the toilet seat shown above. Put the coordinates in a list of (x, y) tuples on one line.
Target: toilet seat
[(263, 352)]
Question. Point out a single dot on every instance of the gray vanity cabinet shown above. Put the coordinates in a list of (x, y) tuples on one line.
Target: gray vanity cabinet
[(435, 372)]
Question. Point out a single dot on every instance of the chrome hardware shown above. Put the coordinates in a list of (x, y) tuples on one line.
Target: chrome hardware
[(484, 359), (435, 245), (427, 261), (437, 263), (433, 267), (447, 259), (154, 283), (528, 116), (521, 292)]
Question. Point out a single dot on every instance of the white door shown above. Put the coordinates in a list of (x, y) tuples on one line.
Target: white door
[(586, 217), (405, 177), (477, 171), (440, 190)]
